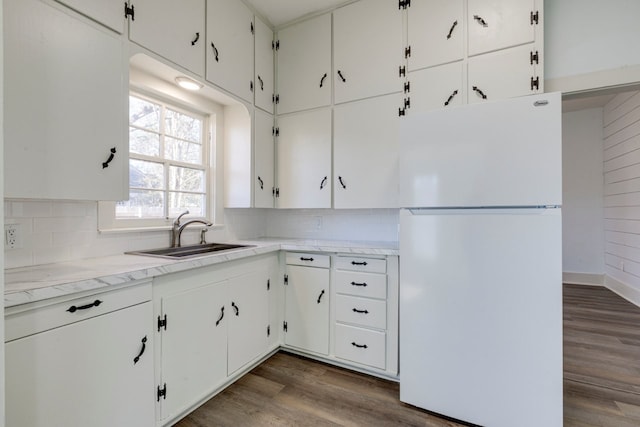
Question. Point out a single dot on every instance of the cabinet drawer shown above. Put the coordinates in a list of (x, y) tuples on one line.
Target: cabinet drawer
[(361, 345), (361, 311), (361, 284), (41, 319), (370, 265), (310, 260)]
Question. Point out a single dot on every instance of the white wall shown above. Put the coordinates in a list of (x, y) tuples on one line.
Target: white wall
[(622, 194), (1, 221), (582, 193)]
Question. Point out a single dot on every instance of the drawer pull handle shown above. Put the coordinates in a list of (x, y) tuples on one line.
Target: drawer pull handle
[(355, 310), (221, 316), (235, 307), (358, 284), (320, 296), (144, 346), (305, 259), (73, 308), (358, 263), (359, 345)]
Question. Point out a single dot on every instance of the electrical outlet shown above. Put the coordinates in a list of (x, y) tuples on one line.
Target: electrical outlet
[(12, 236)]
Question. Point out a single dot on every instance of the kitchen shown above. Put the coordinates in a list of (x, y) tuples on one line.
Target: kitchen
[(59, 231)]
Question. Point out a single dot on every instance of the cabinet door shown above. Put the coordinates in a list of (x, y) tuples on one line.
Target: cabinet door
[(437, 87), (366, 153), (264, 160), (230, 47), (264, 66), (276, 302), (436, 32), (248, 318), (304, 160), (63, 116), (109, 13), (84, 374), (497, 24), (304, 65), (307, 308), (503, 74), (367, 49), (194, 345), (174, 29)]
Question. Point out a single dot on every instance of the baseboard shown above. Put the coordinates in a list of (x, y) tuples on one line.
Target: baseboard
[(625, 291), (588, 279)]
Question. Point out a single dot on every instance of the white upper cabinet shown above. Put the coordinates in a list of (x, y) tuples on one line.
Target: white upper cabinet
[(109, 13), (264, 160), (498, 24), (304, 65), (65, 106), (230, 33), (367, 49), (304, 160), (437, 87), (436, 32), (173, 29), (365, 159), (264, 79)]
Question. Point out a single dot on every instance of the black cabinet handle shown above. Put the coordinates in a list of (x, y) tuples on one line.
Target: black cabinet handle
[(194, 41), (455, 23), (479, 92), (322, 79), (323, 182), (235, 307), (342, 182), (74, 308), (215, 52), (453, 94), (221, 316), (358, 263), (112, 153), (363, 284), (261, 183), (320, 296), (359, 345), (305, 259), (355, 310), (144, 346), (480, 21), (261, 83), (341, 76)]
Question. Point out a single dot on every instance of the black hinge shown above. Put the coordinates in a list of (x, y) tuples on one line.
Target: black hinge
[(162, 323), (275, 45), (275, 131), (401, 112), (275, 99), (286, 279), (273, 191), (407, 102), (268, 284), (534, 56), (277, 192), (407, 87), (535, 83), (268, 330), (284, 326), (129, 11), (162, 392), (252, 30), (535, 17), (403, 4), (407, 52), (402, 71), (251, 85)]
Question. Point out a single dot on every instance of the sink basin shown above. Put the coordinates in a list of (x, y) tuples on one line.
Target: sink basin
[(189, 251)]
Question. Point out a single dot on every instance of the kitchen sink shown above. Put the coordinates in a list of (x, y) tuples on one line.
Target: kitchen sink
[(189, 251)]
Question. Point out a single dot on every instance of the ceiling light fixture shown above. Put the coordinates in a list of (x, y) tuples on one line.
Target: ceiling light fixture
[(188, 84)]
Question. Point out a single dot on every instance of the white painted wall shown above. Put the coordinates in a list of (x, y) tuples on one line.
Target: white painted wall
[(1, 219), (582, 192)]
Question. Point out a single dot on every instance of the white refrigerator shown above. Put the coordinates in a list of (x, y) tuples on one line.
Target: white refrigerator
[(481, 262)]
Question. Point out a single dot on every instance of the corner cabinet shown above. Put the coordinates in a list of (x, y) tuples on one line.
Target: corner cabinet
[(66, 140), (264, 64)]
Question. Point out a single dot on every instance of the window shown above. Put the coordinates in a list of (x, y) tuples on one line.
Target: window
[(167, 161)]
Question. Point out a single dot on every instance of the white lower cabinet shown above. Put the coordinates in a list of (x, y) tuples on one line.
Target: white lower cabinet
[(361, 345), (85, 362)]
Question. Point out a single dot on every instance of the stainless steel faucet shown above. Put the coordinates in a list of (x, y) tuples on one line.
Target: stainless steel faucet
[(176, 230)]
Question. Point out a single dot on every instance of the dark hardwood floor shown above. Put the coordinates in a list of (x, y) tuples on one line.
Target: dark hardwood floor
[(601, 380)]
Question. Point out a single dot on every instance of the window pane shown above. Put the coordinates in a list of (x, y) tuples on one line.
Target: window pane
[(183, 126), (144, 174), (142, 204), (179, 202), (185, 179), (144, 114), (182, 151), (143, 142)]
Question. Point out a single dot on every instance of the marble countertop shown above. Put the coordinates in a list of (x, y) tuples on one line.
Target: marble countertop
[(37, 283)]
